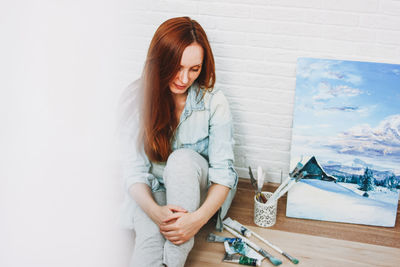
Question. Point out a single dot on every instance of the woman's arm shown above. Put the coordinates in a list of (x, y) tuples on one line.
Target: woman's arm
[(180, 227), (141, 193), (215, 198)]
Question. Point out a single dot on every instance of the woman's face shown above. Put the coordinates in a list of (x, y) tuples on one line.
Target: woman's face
[(190, 69)]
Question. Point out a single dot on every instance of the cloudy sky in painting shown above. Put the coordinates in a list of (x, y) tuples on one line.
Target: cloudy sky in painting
[(346, 110)]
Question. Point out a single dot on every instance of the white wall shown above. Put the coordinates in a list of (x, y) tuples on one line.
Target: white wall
[(59, 191), (64, 63), (256, 44)]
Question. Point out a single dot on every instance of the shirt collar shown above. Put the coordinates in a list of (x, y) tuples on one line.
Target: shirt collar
[(194, 101)]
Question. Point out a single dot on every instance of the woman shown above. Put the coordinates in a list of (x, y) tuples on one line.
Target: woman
[(178, 146)]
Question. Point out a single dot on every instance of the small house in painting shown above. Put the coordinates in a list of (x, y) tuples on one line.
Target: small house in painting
[(312, 170)]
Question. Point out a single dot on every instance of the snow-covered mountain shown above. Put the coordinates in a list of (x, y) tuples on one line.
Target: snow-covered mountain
[(359, 162), (356, 167)]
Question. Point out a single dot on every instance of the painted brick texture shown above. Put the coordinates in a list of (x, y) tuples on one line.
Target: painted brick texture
[(256, 44)]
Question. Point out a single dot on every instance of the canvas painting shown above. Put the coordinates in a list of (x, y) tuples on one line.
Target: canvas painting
[(346, 142)]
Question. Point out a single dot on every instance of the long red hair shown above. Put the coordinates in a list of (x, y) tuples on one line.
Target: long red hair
[(162, 65)]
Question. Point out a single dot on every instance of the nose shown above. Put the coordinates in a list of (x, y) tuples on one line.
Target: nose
[(184, 76)]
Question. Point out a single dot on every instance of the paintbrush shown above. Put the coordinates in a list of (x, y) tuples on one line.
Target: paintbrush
[(260, 183), (252, 179), (294, 260), (285, 186), (260, 250), (257, 185)]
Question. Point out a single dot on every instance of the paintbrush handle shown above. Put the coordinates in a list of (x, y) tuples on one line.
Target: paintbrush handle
[(282, 189), (294, 260), (265, 253), (283, 184), (275, 195), (287, 188)]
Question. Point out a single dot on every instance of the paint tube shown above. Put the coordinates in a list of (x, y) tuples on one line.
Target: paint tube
[(241, 260), (237, 226), (216, 238), (242, 248), (228, 249)]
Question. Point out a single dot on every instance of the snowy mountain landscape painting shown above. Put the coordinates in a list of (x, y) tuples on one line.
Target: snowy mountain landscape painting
[(346, 142)]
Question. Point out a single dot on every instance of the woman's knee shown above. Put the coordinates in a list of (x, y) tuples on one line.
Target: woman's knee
[(186, 159)]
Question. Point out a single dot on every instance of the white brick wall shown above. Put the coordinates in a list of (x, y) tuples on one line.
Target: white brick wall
[(256, 44)]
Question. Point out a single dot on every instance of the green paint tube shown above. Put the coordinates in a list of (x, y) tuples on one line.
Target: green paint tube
[(243, 260)]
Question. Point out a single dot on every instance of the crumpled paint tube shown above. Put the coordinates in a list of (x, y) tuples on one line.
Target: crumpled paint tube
[(242, 248), (228, 249), (243, 260)]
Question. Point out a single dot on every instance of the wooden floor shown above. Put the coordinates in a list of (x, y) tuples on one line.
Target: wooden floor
[(314, 243)]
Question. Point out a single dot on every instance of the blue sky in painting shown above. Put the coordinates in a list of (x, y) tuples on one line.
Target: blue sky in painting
[(346, 110)]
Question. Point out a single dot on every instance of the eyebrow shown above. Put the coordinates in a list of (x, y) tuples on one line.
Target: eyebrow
[(198, 65)]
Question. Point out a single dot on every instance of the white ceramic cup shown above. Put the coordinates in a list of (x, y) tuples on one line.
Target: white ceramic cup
[(265, 214)]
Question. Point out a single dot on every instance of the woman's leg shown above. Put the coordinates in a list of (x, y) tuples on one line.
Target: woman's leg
[(149, 242), (185, 178)]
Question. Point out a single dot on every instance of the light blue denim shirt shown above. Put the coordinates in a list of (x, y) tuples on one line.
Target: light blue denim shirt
[(206, 127)]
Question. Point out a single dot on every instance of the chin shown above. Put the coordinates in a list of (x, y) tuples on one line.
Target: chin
[(178, 92)]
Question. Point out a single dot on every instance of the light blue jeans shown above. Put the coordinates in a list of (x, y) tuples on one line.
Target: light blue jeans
[(185, 177)]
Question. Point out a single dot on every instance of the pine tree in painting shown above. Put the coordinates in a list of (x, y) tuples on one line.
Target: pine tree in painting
[(366, 182)]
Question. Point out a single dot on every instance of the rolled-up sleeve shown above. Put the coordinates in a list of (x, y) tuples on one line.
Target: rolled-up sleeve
[(221, 142), (135, 164)]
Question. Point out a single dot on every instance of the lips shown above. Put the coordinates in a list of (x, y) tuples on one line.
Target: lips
[(180, 87)]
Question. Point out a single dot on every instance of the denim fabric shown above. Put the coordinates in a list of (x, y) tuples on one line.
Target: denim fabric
[(206, 127)]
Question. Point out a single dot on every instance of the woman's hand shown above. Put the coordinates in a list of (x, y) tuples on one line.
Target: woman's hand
[(180, 227), (142, 194), (164, 212)]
